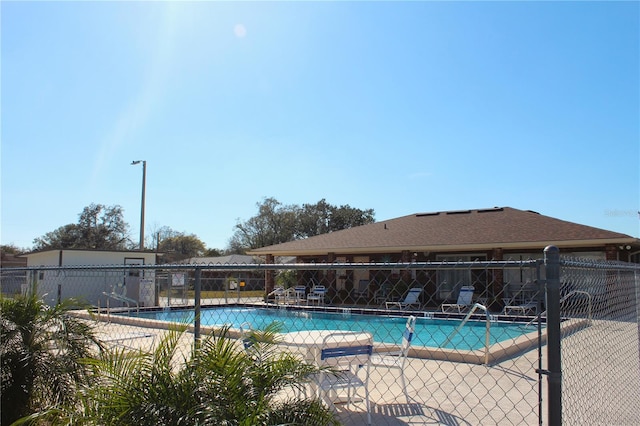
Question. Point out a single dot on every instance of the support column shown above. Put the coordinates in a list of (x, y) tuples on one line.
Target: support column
[(331, 275), (497, 282), (405, 274), (611, 252), (554, 361), (269, 277)]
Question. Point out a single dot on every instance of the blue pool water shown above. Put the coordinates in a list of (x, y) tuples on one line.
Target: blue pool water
[(429, 332)]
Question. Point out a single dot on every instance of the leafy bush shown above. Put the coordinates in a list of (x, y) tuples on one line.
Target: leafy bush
[(41, 352), (218, 383)]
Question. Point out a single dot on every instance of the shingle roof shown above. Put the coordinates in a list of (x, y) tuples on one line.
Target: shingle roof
[(504, 227), (238, 259)]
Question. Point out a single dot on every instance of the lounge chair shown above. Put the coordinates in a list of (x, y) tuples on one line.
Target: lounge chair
[(524, 301), (294, 295), (397, 360), (411, 299), (465, 300), (317, 295), (524, 309)]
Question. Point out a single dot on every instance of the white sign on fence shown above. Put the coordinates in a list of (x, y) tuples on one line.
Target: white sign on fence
[(177, 279)]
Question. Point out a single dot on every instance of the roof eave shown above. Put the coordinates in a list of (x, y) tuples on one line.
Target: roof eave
[(529, 245)]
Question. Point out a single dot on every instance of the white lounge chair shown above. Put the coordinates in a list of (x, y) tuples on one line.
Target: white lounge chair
[(465, 300), (524, 301), (411, 299), (397, 359)]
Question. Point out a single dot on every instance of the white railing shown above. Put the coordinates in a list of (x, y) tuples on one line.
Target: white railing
[(122, 298), (487, 339)]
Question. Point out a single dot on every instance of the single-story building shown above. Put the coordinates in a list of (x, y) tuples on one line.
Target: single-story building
[(92, 286), (12, 281), (220, 280), (499, 233), (8, 260), (231, 259)]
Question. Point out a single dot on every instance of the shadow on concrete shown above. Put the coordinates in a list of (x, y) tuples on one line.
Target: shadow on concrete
[(402, 414)]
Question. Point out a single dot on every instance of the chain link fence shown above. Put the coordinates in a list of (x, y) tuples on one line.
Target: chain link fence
[(600, 365), (478, 354)]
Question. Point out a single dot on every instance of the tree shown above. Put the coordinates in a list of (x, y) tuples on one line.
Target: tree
[(212, 252), (159, 233), (345, 217), (99, 227), (12, 249), (322, 218), (315, 219), (276, 223), (217, 383), (40, 354), (180, 246)]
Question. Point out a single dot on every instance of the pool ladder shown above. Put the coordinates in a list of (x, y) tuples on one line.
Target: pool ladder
[(487, 340)]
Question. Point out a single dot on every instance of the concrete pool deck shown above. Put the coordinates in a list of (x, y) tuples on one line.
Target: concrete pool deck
[(440, 390), (444, 392)]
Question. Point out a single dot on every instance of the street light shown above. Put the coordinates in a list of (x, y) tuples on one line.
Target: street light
[(144, 184)]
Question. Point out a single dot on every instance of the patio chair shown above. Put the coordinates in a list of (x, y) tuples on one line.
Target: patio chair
[(465, 300), (300, 294), (411, 299), (396, 360), (246, 334), (362, 292), (344, 358), (317, 295)]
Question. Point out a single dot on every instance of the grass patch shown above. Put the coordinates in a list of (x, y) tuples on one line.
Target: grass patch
[(190, 294)]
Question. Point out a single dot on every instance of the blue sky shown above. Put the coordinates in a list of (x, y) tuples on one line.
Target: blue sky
[(402, 107)]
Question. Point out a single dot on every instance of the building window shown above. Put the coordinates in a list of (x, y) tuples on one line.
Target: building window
[(449, 281)]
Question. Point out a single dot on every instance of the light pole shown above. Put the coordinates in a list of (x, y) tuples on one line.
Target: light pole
[(144, 184)]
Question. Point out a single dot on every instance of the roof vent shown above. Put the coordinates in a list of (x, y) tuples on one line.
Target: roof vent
[(495, 209), (459, 212), (428, 214)]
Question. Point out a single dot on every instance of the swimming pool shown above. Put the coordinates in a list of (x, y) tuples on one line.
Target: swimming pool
[(385, 328)]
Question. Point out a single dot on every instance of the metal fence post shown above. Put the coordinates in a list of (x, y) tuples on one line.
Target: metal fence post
[(197, 289), (554, 363)]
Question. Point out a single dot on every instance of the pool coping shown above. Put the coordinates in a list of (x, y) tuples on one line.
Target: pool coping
[(494, 354)]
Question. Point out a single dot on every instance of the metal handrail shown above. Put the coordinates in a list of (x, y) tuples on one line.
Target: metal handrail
[(124, 299), (566, 296), (487, 340)]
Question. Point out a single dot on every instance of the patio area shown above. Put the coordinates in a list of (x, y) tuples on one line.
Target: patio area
[(442, 392)]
